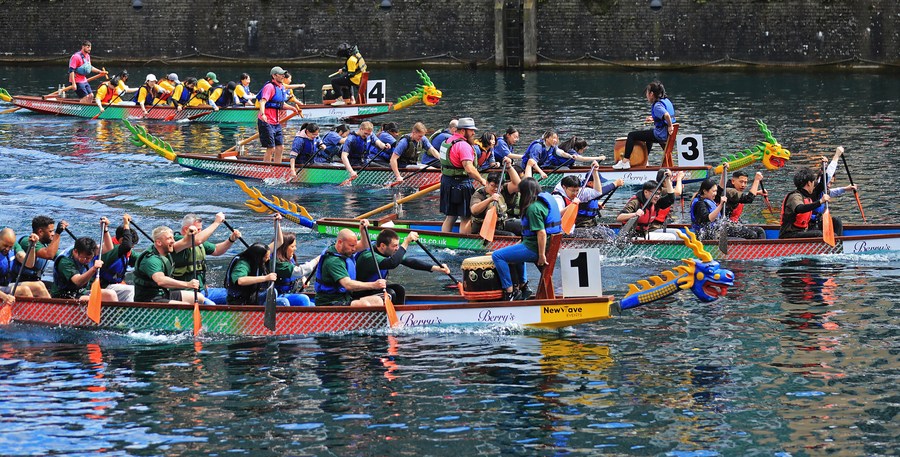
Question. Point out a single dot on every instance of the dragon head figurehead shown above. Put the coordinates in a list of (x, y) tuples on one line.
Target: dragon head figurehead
[(708, 280), (425, 93), (774, 155)]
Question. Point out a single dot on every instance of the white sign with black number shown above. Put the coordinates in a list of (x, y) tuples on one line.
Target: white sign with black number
[(376, 91), (690, 150), (580, 270)]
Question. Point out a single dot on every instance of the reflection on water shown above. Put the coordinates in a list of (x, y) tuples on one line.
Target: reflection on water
[(799, 359)]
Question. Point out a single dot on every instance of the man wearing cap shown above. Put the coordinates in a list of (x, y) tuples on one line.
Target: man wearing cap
[(79, 67), (271, 103), (458, 173), (150, 93)]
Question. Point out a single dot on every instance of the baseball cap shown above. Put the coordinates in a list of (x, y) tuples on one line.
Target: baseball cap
[(174, 78), (212, 76), (277, 71)]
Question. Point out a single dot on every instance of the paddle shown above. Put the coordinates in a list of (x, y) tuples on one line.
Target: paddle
[(855, 191), (571, 212), (140, 230), (6, 312), (197, 321), (411, 197), (232, 231), (564, 164), (456, 284), (366, 165), (111, 99), (269, 315), (74, 238), (388, 303), (396, 183), (96, 297), (623, 233), (175, 111), (766, 197), (243, 142), (610, 194), (827, 223), (723, 235), (489, 225), (309, 161)]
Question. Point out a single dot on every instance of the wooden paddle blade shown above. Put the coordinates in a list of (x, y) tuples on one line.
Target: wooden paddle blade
[(197, 319), (568, 218), (859, 204), (269, 316), (11, 110), (347, 181), (827, 227), (723, 241), (489, 226), (94, 301), (5, 315), (391, 312)]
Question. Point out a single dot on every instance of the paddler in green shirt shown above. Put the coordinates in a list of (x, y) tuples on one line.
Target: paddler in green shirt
[(182, 256), (153, 269), (72, 278), (336, 273), (390, 254)]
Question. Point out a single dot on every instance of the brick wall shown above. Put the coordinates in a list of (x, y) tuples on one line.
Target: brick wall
[(802, 31)]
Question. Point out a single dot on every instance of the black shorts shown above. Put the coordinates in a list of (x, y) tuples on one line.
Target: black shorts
[(456, 194), (269, 135)]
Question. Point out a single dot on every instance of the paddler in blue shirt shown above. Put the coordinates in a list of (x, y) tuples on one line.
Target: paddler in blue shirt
[(405, 152)]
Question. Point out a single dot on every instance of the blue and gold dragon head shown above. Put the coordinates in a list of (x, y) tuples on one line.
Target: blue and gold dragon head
[(703, 276)]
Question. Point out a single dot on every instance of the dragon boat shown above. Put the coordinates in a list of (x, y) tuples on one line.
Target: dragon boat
[(702, 276), (426, 93), (769, 152)]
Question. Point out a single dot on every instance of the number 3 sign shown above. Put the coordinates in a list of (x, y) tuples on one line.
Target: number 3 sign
[(580, 270), (690, 150)]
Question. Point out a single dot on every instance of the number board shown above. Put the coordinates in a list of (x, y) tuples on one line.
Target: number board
[(376, 91), (580, 270), (690, 150)]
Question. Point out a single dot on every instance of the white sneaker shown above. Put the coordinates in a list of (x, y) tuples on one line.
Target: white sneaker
[(621, 165), (338, 103)]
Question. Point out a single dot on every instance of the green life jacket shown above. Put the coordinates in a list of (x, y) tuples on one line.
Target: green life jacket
[(145, 287), (447, 168)]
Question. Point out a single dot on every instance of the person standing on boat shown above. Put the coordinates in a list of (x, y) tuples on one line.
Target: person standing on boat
[(79, 67), (150, 93), (649, 225), (390, 254), (289, 272), (242, 94), (271, 101), (406, 150), (350, 75), (153, 269), (503, 196), (8, 273), (662, 114), (438, 138), (183, 259), (336, 274), (72, 277), (458, 173), (334, 141), (540, 219), (116, 257), (798, 206), (708, 209), (505, 145), (356, 147), (737, 198), (306, 145), (569, 191), (388, 135), (46, 247)]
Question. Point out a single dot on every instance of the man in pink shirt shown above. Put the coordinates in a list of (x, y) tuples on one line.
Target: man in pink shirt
[(79, 67), (271, 102), (458, 173)]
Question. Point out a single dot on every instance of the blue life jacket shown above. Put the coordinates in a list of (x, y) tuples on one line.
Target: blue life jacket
[(307, 147), (238, 294), (537, 152), (696, 225), (225, 99), (278, 99), (85, 68), (244, 100), (114, 273), (378, 153), (7, 272), (29, 274), (587, 210), (333, 288), (356, 147), (284, 284), (332, 142), (501, 149), (552, 223), (185, 95)]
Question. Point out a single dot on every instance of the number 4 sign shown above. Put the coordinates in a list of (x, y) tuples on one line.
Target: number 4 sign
[(580, 270), (690, 150), (376, 91)]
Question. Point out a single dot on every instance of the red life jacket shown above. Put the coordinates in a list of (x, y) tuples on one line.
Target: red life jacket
[(800, 220), (111, 92), (736, 212), (662, 214), (650, 214)]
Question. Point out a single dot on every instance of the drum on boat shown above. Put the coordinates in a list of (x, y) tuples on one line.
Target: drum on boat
[(480, 279), (638, 153)]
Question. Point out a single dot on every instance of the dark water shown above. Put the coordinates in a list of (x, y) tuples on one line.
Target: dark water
[(801, 358)]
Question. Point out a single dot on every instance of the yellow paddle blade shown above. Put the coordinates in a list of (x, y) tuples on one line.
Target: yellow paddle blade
[(94, 301), (5, 315), (391, 312), (568, 218), (490, 224), (197, 320), (827, 228)]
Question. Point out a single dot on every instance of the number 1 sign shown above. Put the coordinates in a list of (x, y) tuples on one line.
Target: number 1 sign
[(580, 270)]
